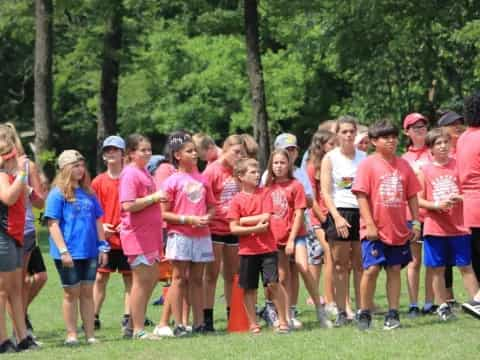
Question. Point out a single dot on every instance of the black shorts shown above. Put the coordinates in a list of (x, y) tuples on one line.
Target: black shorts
[(228, 240), (36, 264), (353, 218), (252, 265), (117, 261)]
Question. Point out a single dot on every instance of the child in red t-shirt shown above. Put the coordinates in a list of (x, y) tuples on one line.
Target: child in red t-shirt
[(384, 185), (447, 240), (250, 212)]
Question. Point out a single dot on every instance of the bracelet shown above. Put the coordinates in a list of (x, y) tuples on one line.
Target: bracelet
[(182, 219), (63, 251), (104, 246), (150, 199), (436, 204), (416, 225)]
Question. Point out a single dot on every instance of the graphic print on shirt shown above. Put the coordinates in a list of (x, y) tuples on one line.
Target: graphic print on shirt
[(280, 204), (194, 191), (81, 208), (229, 189), (443, 187), (345, 182), (391, 190)]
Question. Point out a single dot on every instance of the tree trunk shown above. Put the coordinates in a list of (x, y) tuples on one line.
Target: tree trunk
[(112, 43), (43, 77), (257, 87)]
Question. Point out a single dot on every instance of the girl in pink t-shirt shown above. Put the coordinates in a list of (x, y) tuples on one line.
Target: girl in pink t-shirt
[(140, 233), (287, 224), (417, 155), (188, 212), (447, 240)]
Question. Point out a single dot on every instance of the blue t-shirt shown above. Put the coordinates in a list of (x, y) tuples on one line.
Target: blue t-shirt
[(77, 221)]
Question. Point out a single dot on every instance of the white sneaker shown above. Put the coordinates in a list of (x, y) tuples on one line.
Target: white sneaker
[(188, 328), (323, 318), (92, 341), (331, 310), (295, 323), (163, 331)]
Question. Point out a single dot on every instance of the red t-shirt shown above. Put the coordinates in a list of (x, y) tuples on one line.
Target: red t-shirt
[(243, 205), (441, 182), (468, 166), (286, 197), (224, 186), (388, 186), (12, 218), (106, 190), (318, 194)]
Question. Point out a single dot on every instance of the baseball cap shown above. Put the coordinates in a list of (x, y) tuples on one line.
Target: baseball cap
[(285, 140), (114, 141), (412, 118), (69, 157), (449, 118)]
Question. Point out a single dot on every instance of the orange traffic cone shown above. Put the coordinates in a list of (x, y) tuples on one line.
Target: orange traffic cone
[(238, 321)]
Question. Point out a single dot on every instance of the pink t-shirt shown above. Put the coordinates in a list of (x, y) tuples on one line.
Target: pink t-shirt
[(286, 197), (141, 232), (388, 186), (468, 166), (162, 173), (188, 194), (243, 205), (441, 182), (224, 186)]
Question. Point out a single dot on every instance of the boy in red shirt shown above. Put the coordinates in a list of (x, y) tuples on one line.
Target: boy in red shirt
[(384, 185), (249, 213)]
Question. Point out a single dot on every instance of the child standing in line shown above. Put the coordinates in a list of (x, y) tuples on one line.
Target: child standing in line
[(76, 237), (140, 231), (287, 224), (383, 186), (188, 211), (447, 241), (250, 212), (106, 187)]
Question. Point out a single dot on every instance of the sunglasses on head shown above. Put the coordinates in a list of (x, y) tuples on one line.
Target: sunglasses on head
[(9, 155)]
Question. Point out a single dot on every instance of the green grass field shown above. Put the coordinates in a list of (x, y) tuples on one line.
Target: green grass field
[(423, 338)]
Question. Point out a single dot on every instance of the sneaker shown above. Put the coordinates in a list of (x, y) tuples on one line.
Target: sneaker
[(364, 320), (323, 318), (8, 347), (124, 322), (159, 301), (180, 331), (200, 329), (270, 315), (71, 342), (148, 322), (472, 307), (430, 309), (143, 335), (294, 323), (208, 327), (127, 332), (96, 323), (27, 344), (93, 341), (445, 312), (331, 310), (341, 319), (163, 331), (413, 312), (392, 320)]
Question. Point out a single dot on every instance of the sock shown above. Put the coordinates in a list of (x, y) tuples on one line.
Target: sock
[(97, 316), (413, 305), (428, 305), (208, 316)]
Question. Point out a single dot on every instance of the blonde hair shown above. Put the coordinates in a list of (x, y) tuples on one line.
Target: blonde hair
[(242, 166), (270, 174), (232, 140), (202, 141), (250, 145), (15, 138), (63, 181), (6, 143)]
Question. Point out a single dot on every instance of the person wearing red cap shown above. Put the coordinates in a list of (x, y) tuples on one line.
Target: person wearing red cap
[(417, 154)]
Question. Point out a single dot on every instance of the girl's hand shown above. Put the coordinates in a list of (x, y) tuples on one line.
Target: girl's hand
[(22, 162), (444, 206), (290, 248), (456, 198), (200, 220), (342, 226), (160, 196), (118, 228), (415, 236), (372, 232), (262, 227), (102, 259), (264, 218), (67, 260), (109, 230)]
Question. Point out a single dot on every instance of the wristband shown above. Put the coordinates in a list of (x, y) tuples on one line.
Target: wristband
[(23, 176), (182, 219), (436, 204), (416, 225), (104, 246), (63, 251), (150, 199)]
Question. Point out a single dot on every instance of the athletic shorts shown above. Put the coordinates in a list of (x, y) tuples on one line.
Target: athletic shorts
[(251, 266), (144, 259), (379, 253), (83, 271), (117, 261), (314, 249), (29, 243), (36, 264), (353, 217), (447, 250), (11, 255), (228, 240), (196, 249)]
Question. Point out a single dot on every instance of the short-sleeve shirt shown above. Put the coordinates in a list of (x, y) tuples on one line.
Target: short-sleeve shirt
[(141, 231), (78, 223), (188, 194), (318, 194), (243, 205), (468, 166), (387, 186), (12, 218), (224, 186), (441, 182), (106, 190), (286, 197)]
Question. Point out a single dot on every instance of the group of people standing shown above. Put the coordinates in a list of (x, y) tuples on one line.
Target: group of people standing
[(352, 207)]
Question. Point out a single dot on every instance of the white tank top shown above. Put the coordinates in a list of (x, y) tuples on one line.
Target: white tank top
[(344, 171)]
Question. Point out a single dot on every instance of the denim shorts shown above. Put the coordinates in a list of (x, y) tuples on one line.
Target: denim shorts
[(83, 271), (11, 255)]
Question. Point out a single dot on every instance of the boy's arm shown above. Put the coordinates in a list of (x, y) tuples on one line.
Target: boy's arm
[(416, 227), (426, 204), (254, 219), (241, 230), (366, 214)]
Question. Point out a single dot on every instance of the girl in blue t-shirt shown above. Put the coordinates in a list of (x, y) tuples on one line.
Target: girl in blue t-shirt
[(76, 237)]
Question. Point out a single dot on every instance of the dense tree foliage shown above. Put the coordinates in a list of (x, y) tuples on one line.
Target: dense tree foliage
[(183, 63)]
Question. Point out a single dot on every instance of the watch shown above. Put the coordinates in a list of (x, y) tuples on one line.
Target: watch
[(63, 250)]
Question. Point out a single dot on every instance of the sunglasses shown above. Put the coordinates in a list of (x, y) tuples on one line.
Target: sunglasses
[(9, 155)]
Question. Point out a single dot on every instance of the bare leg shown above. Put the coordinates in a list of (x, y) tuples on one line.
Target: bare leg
[(393, 286), (144, 279), (87, 309), (99, 290)]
